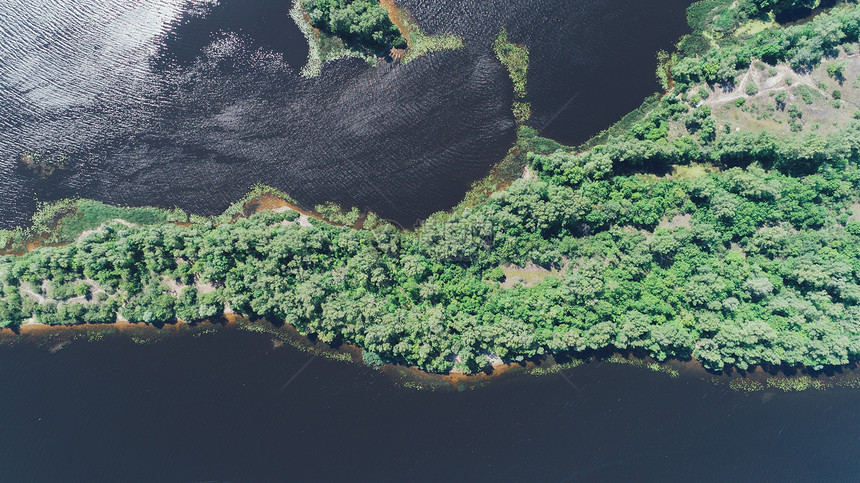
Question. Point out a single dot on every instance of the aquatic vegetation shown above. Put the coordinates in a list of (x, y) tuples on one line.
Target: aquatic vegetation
[(44, 166), (556, 368), (652, 366), (746, 385), (515, 58), (421, 44), (797, 383)]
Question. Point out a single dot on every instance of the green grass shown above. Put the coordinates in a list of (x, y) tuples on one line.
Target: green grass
[(515, 58), (421, 44), (61, 222)]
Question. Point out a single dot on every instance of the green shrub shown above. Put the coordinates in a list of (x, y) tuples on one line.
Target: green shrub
[(751, 89), (805, 93)]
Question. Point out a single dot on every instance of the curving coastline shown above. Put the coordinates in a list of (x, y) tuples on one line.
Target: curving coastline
[(434, 298)]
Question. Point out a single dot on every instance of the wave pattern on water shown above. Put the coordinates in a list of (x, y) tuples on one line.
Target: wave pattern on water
[(189, 104)]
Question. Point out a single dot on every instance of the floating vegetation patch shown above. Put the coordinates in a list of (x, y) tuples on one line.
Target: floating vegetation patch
[(295, 340), (416, 386), (799, 383), (515, 58), (205, 332), (792, 383), (556, 368), (745, 385), (852, 382), (43, 166), (653, 366)]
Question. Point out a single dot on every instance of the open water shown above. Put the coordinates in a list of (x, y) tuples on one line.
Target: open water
[(231, 406), (190, 103)]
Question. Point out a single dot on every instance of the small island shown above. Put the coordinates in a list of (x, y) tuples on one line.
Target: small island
[(368, 29), (363, 25)]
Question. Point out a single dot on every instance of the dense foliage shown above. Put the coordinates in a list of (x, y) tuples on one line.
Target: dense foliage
[(756, 264), (362, 23), (801, 46), (763, 268)]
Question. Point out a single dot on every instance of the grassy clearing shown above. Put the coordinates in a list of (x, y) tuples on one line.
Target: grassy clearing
[(753, 27), (63, 221), (786, 102)]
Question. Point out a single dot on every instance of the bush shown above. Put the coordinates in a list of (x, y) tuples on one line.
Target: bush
[(794, 112), (780, 100), (805, 93), (751, 89), (836, 70)]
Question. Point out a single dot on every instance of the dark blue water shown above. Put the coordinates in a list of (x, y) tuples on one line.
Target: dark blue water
[(229, 406), (190, 103)]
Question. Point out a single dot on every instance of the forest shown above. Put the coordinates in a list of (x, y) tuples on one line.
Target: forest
[(756, 261), (363, 24)]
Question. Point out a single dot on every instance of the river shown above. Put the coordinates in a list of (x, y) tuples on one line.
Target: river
[(230, 405)]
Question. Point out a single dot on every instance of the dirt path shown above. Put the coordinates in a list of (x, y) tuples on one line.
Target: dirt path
[(765, 84)]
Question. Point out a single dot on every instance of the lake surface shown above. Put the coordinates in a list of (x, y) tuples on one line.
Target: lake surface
[(190, 103), (230, 406)]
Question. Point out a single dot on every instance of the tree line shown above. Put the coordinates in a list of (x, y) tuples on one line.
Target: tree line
[(758, 263)]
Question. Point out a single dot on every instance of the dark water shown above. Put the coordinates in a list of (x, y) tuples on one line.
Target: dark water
[(190, 103), (228, 406)]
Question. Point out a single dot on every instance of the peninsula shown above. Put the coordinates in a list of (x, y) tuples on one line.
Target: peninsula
[(720, 221)]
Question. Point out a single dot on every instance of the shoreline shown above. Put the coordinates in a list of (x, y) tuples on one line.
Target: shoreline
[(262, 201), (742, 351), (756, 379)]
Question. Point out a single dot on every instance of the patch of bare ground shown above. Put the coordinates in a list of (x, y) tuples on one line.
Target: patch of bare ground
[(270, 202), (677, 221), (101, 227), (527, 276), (528, 173), (761, 111), (855, 212)]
